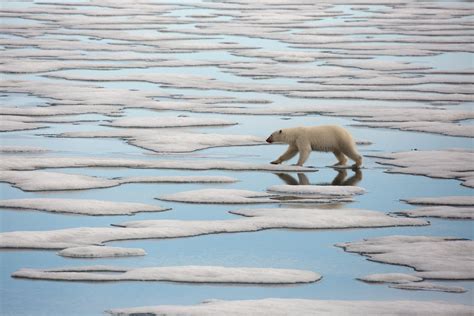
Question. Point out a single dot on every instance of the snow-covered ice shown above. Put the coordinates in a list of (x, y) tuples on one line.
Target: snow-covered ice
[(100, 252), (427, 286), (188, 274), (390, 278), (56, 181), (168, 121), (82, 207), (446, 164), (280, 306), (432, 257), (254, 220)]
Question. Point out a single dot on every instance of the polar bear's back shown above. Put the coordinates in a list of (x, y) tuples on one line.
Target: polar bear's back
[(325, 137)]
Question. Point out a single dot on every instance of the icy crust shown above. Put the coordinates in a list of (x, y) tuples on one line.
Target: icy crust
[(55, 181), (454, 207), (280, 307), (255, 220), (446, 164), (82, 207), (317, 190), (276, 194), (432, 257), (187, 274), (37, 162), (170, 141), (100, 252), (462, 200), (22, 149), (427, 286), (168, 121), (390, 278)]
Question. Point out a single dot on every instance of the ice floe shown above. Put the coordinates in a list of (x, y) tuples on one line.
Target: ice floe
[(56, 181), (254, 220), (22, 163), (390, 278), (82, 207), (170, 141), (446, 164), (427, 286), (453, 207), (281, 306), (276, 194), (188, 274), (169, 121), (100, 252), (442, 257)]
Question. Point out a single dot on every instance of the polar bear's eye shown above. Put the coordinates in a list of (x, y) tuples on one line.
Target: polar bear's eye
[(280, 132)]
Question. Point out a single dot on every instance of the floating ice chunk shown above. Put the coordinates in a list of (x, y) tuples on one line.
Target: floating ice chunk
[(22, 149), (170, 141), (219, 196), (168, 121), (189, 274), (427, 286), (54, 181), (32, 163), (317, 190), (100, 252), (446, 164), (390, 278), (255, 220), (441, 212), (12, 126), (83, 207), (432, 257), (455, 207), (449, 129), (232, 196), (462, 200), (280, 307)]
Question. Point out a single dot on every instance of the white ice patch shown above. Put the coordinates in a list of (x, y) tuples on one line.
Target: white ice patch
[(170, 141), (317, 190), (390, 278), (55, 181), (280, 307), (277, 194), (33, 163), (446, 164), (167, 121), (462, 200), (22, 149), (432, 257), (188, 274), (100, 252), (455, 207), (427, 286), (255, 220), (82, 207)]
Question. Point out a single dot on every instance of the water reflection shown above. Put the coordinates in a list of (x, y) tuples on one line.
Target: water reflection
[(340, 179)]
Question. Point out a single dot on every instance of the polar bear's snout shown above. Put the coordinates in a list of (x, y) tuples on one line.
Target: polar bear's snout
[(269, 140)]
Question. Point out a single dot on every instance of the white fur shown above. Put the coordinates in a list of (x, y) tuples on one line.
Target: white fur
[(326, 138)]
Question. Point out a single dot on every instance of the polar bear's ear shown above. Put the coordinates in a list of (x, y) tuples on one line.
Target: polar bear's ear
[(279, 132)]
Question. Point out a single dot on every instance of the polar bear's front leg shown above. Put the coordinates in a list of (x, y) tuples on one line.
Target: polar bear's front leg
[(287, 155), (305, 149)]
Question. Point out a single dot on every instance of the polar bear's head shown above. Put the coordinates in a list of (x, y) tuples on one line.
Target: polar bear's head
[(276, 137)]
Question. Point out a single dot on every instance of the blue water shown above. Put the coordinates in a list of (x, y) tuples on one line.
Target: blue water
[(307, 249)]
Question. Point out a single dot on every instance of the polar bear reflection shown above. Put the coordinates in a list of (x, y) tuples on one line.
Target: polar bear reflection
[(340, 178)]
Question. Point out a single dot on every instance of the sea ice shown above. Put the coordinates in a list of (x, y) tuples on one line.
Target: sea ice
[(82, 207), (432, 257), (100, 252), (254, 220), (280, 307), (188, 274)]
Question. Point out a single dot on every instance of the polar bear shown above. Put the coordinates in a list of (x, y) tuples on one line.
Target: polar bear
[(326, 138)]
